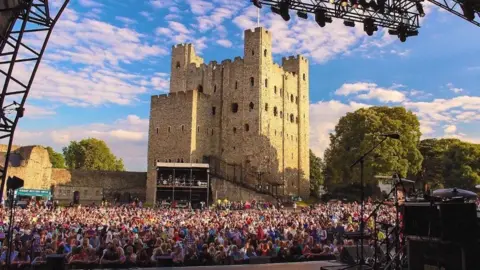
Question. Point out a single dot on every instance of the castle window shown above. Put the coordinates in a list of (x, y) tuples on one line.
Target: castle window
[(253, 52), (234, 107), (200, 88), (178, 160), (304, 77), (215, 88), (266, 107), (291, 98), (198, 128), (181, 160), (275, 111), (266, 82), (247, 127), (169, 160), (294, 73), (281, 114), (234, 130), (178, 64), (265, 52), (183, 128), (275, 132), (157, 130), (236, 84), (292, 118), (296, 100), (251, 105), (252, 81), (214, 110), (212, 132), (275, 89), (169, 129)]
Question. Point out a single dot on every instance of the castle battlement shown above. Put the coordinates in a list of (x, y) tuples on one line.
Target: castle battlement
[(238, 60), (256, 31), (181, 45)]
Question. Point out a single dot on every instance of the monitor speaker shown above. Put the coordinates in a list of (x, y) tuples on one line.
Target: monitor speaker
[(351, 254), (14, 183)]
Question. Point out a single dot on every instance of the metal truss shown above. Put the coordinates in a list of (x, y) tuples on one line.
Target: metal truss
[(455, 8), (19, 45), (395, 13)]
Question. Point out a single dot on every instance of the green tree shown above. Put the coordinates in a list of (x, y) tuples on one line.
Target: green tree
[(316, 174), (354, 135), (91, 154), (449, 163), (57, 159)]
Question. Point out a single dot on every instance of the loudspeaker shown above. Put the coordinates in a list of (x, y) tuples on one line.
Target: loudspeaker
[(351, 254), (421, 219), (459, 222), (56, 262), (426, 253), (14, 183)]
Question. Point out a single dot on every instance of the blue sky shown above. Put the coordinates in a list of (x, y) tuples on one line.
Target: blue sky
[(106, 58)]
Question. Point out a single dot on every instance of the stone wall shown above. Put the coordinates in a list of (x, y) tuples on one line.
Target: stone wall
[(248, 111), (32, 164), (222, 189)]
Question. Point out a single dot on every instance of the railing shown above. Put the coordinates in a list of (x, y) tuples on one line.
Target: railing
[(237, 174)]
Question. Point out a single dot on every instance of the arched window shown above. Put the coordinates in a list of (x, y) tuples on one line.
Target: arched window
[(169, 129), (234, 107), (250, 106), (252, 81), (266, 82), (236, 84), (157, 130), (178, 64), (214, 110), (275, 89), (292, 118), (304, 77), (181, 160), (291, 98), (266, 107), (247, 127), (200, 88), (265, 52), (198, 128), (275, 112), (253, 52), (169, 160), (212, 132), (183, 128), (234, 130), (215, 88)]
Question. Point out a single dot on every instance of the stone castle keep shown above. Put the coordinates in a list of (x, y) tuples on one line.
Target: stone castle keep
[(249, 111)]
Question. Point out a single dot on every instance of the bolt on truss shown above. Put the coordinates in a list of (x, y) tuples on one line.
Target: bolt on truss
[(22, 45), (389, 14)]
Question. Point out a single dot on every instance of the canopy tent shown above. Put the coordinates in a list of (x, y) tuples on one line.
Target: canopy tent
[(33, 192)]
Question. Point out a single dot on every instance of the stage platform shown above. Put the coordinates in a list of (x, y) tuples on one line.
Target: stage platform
[(331, 265)]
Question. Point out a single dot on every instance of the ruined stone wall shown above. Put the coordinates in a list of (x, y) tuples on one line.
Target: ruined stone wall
[(222, 189), (256, 112), (35, 169), (93, 185)]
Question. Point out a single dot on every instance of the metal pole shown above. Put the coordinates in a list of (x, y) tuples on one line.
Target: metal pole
[(208, 186), (173, 188)]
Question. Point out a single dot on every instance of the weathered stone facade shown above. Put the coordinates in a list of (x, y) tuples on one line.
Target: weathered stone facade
[(249, 111), (32, 164)]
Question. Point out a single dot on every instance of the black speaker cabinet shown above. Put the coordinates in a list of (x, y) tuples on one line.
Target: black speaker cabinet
[(459, 222), (421, 219), (56, 262), (430, 253)]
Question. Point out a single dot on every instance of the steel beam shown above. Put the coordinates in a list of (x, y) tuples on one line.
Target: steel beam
[(33, 18)]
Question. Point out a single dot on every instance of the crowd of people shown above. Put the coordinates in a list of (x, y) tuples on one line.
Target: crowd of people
[(132, 235)]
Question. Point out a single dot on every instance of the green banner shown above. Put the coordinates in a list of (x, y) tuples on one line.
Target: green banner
[(33, 192)]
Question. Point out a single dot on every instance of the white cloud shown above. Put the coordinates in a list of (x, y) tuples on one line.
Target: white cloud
[(125, 20), (32, 111), (224, 43), (454, 89), (324, 115), (90, 3), (200, 7), (369, 91), (127, 138), (450, 129), (147, 15)]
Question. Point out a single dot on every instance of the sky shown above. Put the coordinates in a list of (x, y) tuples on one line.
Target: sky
[(107, 57)]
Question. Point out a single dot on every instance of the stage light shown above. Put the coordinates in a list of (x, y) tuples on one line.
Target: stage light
[(321, 17), (302, 15), (420, 10), (468, 11), (369, 26), (257, 3), (284, 6), (332, 1), (344, 3), (349, 23)]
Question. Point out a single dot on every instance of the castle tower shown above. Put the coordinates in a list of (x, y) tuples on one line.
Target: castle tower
[(183, 58)]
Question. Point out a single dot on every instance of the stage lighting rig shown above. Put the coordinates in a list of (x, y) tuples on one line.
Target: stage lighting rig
[(402, 17)]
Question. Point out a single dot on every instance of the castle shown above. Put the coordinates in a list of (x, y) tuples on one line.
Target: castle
[(249, 111)]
